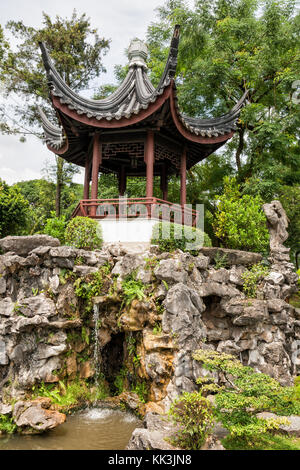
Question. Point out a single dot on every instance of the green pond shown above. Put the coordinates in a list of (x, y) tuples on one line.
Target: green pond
[(90, 429)]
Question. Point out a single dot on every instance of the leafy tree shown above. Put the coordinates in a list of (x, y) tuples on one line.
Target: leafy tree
[(239, 221), (13, 211), (245, 394), (226, 49), (77, 51), (73, 44)]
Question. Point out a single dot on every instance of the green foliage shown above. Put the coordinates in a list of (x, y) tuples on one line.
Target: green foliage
[(170, 236), (86, 289), (55, 227), (13, 211), (246, 394), (240, 222), (7, 425), (193, 414), (133, 289), (72, 394), (251, 278), (119, 381), (141, 389), (73, 44), (131, 345), (266, 441), (221, 260), (85, 233)]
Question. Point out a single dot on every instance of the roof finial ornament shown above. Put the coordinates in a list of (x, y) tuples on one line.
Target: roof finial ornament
[(137, 53)]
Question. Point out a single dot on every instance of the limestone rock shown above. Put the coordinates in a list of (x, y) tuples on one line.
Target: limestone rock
[(24, 244), (212, 443), (234, 257), (155, 436), (221, 290), (128, 264), (5, 409), (33, 414), (292, 429), (171, 271)]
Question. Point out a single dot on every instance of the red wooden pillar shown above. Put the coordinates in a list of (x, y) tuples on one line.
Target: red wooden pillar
[(97, 159), (149, 159), (86, 187), (183, 178), (122, 181)]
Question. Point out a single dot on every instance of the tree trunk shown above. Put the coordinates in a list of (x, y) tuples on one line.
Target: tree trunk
[(240, 148), (59, 184)]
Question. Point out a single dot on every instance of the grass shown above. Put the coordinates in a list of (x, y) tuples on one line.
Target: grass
[(264, 442)]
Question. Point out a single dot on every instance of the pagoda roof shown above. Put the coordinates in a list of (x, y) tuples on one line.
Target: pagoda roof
[(133, 102)]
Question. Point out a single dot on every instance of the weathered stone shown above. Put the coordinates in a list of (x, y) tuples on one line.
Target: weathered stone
[(25, 244), (157, 366), (212, 443), (234, 257), (274, 278), (127, 265), (2, 284), (85, 270), (253, 313), (235, 275), (171, 271), (157, 342), (71, 364), (5, 409), (36, 305), (86, 370), (218, 275), (201, 261), (3, 355), (182, 316), (155, 436), (33, 414), (292, 429), (6, 307), (221, 290)]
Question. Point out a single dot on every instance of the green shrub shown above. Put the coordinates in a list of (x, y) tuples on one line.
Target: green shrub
[(251, 278), (55, 227), (14, 211), (7, 425), (169, 237), (193, 414), (240, 222), (246, 393), (85, 233)]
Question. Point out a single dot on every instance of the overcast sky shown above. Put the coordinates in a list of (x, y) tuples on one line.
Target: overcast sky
[(118, 20)]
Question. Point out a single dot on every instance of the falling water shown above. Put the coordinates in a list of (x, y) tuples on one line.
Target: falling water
[(96, 345)]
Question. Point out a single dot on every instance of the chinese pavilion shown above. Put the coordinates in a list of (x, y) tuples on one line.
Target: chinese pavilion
[(136, 131)]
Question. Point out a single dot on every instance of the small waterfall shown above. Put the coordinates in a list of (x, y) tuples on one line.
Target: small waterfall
[(96, 346)]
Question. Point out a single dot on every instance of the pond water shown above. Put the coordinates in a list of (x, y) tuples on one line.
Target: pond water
[(91, 429)]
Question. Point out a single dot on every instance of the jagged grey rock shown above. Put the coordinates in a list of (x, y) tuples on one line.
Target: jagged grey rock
[(25, 244)]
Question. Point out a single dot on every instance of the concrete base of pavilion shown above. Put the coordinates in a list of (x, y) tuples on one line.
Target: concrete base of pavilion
[(132, 233)]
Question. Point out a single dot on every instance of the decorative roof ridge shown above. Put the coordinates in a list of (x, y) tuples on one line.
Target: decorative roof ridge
[(214, 126), (54, 135)]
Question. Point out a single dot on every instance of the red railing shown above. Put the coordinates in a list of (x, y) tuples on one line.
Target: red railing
[(143, 207)]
